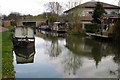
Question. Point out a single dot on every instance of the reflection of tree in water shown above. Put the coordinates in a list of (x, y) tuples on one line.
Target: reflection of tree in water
[(88, 48), (96, 54), (72, 63), (116, 50), (72, 60), (96, 50), (82, 47), (54, 49), (85, 47), (100, 49)]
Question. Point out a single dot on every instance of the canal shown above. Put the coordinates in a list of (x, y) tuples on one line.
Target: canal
[(65, 56)]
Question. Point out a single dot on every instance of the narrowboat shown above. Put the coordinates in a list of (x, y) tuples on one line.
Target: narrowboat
[(59, 27), (23, 36), (44, 27)]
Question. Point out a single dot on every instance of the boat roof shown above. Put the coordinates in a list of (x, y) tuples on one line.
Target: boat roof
[(24, 26)]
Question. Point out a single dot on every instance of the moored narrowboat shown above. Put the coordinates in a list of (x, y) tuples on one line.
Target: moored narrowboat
[(23, 36), (59, 27)]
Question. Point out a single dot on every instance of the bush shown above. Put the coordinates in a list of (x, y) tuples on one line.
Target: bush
[(74, 32), (116, 31), (92, 27), (13, 23)]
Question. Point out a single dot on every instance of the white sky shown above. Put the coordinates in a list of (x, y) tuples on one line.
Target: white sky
[(34, 7)]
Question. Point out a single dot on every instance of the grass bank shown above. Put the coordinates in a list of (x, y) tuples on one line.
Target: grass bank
[(7, 56), (0, 55)]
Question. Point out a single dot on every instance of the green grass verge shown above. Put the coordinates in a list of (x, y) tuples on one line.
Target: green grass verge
[(0, 55), (7, 56)]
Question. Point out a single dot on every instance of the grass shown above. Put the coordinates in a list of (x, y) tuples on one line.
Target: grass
[(0, 54), (7, 56)]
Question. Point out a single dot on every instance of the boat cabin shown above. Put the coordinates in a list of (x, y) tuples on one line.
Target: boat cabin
[(23, 34), (59, 27)]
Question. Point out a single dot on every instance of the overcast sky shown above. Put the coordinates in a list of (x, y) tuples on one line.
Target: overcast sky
[(34, 7)]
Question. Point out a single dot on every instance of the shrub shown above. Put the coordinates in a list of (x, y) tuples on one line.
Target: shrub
[(92, 27), (116, 30), (74, 32)]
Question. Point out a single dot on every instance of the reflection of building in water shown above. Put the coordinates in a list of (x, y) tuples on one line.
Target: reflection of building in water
[(88, 48), (24, 54), (53, 34), (94, 50)]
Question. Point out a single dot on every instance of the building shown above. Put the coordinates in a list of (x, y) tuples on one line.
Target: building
[(30, 22), (88, 9), (6, 23)]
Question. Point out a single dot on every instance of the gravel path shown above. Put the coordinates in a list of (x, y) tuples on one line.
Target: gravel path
[(2, 29)]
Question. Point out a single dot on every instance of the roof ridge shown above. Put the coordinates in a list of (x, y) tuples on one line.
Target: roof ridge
[(114, 6), (100, 2)]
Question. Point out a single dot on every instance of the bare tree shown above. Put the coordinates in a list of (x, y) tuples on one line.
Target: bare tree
[(14, 17), (74, 14), (54, 7), (72, 4)]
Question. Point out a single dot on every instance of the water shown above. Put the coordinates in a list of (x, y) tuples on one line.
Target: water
[(62, 56)]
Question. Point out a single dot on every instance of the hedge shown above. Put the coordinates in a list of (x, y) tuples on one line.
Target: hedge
[(92, 27)]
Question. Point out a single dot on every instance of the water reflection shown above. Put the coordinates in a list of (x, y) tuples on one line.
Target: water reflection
[(71, 63), (94, 50), (25, 54), (116, 50), (52, 34), (54, 50), (59, 56)]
